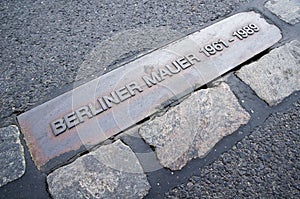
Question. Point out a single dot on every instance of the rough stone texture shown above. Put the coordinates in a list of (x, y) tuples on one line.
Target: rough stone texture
[(12, 161), (276, 75), (112, 171), (287, 10), (265, 164), (192, 128)]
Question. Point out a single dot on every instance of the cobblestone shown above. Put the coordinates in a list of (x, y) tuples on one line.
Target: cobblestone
[(287, 10), (12, 161), (192, 128), (112, 171), (264, 164), (276, 75)]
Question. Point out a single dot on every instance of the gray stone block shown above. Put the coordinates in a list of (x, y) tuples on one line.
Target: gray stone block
[(276, 75), (112, 171), (192, 128), (12, 161), (287, 10)]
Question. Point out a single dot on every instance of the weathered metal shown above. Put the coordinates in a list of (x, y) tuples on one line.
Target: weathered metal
[(101, 108)]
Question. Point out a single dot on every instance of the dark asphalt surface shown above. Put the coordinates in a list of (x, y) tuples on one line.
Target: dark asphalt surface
[(264, 164), (44, 43)]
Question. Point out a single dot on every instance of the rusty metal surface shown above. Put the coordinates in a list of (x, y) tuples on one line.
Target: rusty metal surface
[(137, 104)]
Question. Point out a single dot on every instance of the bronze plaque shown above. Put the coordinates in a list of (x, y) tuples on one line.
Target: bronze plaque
[(103, 107)]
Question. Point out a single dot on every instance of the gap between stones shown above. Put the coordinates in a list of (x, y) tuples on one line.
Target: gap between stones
[(224, 145), (164, 109), (235, 89), (245, 96)]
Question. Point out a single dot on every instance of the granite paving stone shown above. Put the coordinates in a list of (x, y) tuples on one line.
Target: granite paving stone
[(192, 128), (111, 171), (12, 161), (287, 10), (276, 75), (265, 164)]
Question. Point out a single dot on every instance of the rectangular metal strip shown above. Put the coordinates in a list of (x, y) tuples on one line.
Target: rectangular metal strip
[(101, 108)]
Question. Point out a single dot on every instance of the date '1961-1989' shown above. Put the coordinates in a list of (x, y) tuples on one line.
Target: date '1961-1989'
[(242, 33)]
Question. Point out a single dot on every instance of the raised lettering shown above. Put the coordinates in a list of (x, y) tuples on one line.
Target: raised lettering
[(191, 58), (184, 63), (152, 81), (113, 98), (133, 86), (58, 127), (164, 72), (71, 120), (94, 111), (123, 94), (176, 70), (83, 111), (102, 103)]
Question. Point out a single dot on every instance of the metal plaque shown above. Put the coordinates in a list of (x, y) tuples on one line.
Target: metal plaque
[(103, 107)]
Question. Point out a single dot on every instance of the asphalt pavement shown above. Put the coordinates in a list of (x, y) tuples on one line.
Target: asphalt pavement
[(264, 164), (44, 43), (46, 46)]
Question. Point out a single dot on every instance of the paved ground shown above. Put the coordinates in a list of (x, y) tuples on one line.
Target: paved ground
[(43, 44), (265, 164), (50, 47)]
